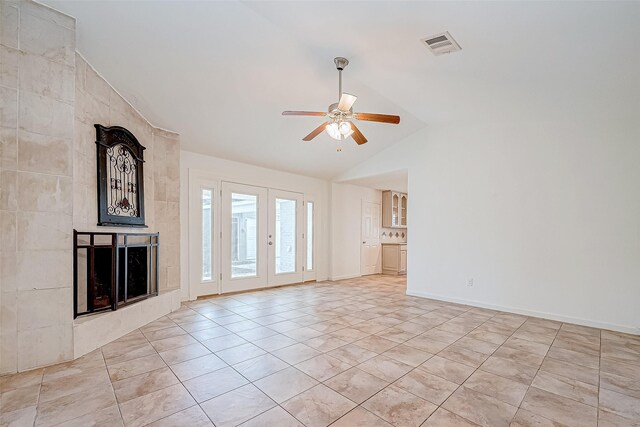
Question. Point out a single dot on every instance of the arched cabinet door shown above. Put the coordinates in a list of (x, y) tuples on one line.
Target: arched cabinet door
[(395, 210), (403, 210)]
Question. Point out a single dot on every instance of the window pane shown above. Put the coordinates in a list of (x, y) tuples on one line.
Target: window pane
[(285, 236), (310, 236), (207, 234), (244, 235)]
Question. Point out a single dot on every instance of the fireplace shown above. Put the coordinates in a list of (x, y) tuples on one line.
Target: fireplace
[(112, 270)]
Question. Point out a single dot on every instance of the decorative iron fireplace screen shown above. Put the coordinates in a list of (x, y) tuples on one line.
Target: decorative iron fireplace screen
[(112, 270)]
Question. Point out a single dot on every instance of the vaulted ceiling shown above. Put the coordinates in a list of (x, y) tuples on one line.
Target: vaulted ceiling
[(221, 72)]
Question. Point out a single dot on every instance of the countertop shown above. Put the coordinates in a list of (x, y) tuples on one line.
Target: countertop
[(400, 243)]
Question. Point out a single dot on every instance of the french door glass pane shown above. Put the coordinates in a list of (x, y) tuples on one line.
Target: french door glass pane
[(310, 236), (207, 234), (285, 236), (244, 235)]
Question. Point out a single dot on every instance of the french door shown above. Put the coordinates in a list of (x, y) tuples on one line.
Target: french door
[(262, 243), (285, 243), (244, 237)]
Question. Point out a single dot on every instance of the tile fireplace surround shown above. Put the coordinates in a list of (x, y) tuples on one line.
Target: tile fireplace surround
[(348, 353), (51, 99)]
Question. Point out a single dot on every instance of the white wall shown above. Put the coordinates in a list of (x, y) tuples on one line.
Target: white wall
[(313, 188), (545, 217), (346, 227)]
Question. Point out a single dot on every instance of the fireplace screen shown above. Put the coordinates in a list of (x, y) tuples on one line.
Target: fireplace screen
[(113, 269), (120, 179)]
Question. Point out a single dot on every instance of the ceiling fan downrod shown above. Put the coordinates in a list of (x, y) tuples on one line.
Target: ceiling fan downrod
[(340, 64)]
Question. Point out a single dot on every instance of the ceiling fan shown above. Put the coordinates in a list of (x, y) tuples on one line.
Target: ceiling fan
[(340, 115)]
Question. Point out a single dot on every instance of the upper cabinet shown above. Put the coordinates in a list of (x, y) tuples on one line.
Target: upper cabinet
[(394, 209)]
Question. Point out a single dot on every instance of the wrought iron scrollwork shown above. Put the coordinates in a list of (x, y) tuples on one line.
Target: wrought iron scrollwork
[(122, 172)]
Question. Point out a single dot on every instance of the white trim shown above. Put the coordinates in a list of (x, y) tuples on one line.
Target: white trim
[(345, 276), (533, 313)]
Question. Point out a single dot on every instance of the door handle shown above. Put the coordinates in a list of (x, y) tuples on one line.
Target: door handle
[(270, 243), (364, 243)]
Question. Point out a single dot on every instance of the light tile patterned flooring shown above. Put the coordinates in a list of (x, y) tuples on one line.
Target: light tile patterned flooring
[(351, 353)]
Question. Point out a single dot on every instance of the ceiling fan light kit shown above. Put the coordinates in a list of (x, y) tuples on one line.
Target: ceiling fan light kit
[(340, 114)]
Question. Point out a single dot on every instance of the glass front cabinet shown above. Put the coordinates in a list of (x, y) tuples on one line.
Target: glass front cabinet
[(394, 209)]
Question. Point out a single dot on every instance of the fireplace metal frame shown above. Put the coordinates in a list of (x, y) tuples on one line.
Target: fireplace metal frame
[(118, 241)]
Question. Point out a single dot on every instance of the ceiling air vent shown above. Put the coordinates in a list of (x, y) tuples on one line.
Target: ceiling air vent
[(441, 43)]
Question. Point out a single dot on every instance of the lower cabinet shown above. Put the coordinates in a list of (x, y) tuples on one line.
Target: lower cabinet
[(394, 259)]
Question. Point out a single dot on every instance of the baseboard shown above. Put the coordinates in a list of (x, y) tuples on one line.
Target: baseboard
[(345, 276), (532, 313)]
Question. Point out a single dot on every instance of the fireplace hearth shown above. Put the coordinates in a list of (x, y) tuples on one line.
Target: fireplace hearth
[(112, 270)]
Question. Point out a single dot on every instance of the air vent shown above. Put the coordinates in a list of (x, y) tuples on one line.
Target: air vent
[(441, 43)]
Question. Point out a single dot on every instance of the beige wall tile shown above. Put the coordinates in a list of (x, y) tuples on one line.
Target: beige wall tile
[(44, 115), (9, 66), (90, 110), (47, 39), (44, 231), (44, 346), (8, 312), (8, 354), (48, 14), (44, 193), (43, 308), (8, 181), (55, 269), (46, 78), (8, 270), (46, 154), (8, 148), (8, 231), (9, 24), (8, 107), (96, 86), (159, 187), (81, 70)]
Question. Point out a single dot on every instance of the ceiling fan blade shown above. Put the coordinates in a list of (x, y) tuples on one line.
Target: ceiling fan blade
[(346, 101), (383, 118), (303, 113), (357, 135), (317, 131)]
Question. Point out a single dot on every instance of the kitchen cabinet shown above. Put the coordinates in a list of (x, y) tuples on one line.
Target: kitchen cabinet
[(394, 209), (394, 258)]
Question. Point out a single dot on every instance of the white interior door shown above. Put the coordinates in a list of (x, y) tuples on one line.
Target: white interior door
[(370, 251), (244, 237), (204, 229), (285, 242)]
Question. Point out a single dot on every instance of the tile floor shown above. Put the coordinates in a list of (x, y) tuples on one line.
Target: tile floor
[(351, 353)]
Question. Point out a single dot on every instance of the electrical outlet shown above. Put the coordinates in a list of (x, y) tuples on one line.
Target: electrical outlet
[(470, 282)]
